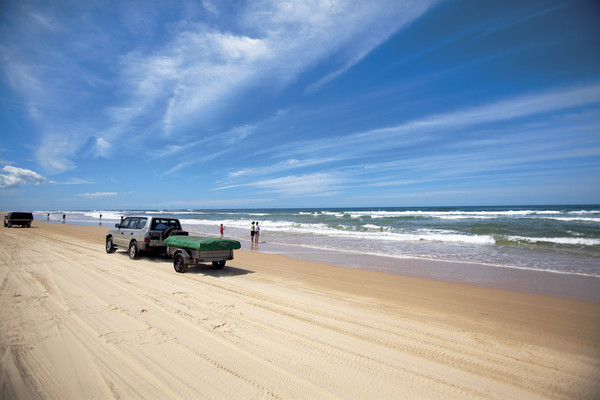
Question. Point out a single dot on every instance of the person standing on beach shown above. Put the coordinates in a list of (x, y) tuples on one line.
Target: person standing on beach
[(64, 218), (252, 228), (256, 232), (222, 229)]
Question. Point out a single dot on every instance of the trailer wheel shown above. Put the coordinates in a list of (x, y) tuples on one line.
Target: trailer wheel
[(179, 263), (218, 264)]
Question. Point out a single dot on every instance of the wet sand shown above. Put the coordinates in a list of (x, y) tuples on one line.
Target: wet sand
[(572, 286), (76, 322)]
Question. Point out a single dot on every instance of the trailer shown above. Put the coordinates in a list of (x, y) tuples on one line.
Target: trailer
[(193, 250)]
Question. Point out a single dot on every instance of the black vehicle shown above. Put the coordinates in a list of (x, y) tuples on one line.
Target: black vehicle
[(18, 218)]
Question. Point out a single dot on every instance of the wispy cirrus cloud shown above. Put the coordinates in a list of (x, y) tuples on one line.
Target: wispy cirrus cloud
[(433, 128), (313, 184), (192, 161), (458, 144), (280, 167), (96, 195), (76, 181), (184, 81), (195, 74)]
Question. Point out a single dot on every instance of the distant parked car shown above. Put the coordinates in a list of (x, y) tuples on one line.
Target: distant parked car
[(18, 218), (142, 233)]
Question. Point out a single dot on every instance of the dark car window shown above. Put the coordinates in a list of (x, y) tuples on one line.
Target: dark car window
[(129, 223), (141, 223), (160, 224)]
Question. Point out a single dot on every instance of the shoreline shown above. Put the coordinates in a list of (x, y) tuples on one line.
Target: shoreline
[(558, 284), (270, 326), (542, 238), (567, 285)]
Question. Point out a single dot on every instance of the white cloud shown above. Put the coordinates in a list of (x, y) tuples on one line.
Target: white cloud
[(518, 107), (23, 78), (14, 177), (285, 165), (55, 152), (239, 133), (233, 136), (102, 147), (76, 181), (98, 194), (194, 161), (202, 67), (298, 185), (303, 185), (192, 77), (43, 22), (210, 7)]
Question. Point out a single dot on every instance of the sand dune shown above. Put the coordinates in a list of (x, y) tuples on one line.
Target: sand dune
[(77, 323)]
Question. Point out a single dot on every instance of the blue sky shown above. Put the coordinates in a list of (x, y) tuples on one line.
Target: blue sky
[(232, 104)]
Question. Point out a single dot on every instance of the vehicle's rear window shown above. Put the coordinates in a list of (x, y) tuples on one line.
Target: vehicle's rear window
[(20, 215), (160, 224)]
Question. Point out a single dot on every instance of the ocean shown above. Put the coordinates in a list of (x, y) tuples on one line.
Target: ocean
[(558, 239)]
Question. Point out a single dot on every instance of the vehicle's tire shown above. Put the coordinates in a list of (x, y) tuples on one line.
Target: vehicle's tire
[(179, 263), (110, 247), (167, 232), (218, 264), (134, 252)]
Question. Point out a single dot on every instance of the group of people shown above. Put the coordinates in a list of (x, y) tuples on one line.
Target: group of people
[(254, 231)]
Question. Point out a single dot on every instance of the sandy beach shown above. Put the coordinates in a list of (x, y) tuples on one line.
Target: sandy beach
[(78, 323)]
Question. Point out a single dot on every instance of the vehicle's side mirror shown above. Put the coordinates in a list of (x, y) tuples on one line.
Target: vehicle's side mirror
[(117, 225)]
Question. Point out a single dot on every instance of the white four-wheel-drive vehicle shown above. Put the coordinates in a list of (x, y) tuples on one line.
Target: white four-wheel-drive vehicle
[(142, 233)]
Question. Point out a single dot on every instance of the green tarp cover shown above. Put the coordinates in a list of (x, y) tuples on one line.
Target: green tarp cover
[(202, 243)]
